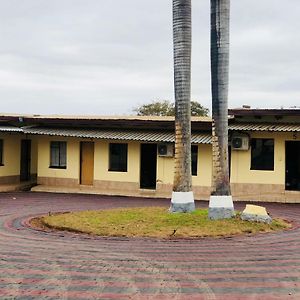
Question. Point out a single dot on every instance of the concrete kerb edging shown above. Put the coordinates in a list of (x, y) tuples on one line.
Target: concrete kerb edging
[(25, 222)]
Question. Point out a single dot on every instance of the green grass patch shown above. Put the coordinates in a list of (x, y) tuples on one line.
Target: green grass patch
[(155, 222)]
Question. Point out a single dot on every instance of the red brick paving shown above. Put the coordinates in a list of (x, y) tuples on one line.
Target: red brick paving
[(61, 265)]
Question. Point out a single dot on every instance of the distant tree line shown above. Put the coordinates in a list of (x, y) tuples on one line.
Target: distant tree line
[(167, 108)]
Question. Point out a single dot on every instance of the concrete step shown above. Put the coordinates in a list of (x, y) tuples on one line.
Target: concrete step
[(16, 187)]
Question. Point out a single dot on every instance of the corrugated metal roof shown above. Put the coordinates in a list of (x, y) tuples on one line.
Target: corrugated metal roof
[(10, 129), (265, 127), (200, 138), (132, 135), (295, 111), (104, 118)]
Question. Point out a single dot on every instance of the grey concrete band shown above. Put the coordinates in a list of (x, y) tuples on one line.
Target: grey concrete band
[(216, 213), (182, 207), (256, 218)]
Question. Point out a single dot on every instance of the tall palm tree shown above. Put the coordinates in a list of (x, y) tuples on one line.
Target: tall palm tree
[(182, 196), (221, 205)]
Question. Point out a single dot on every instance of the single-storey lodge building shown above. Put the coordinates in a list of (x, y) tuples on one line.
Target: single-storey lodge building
[(133, 156)]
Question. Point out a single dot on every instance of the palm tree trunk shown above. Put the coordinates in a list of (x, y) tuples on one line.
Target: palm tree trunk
[(220, 17), (182, 197)]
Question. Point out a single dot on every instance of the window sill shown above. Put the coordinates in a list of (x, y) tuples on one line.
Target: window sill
[(120, 171), (267, 170), (57, 167)]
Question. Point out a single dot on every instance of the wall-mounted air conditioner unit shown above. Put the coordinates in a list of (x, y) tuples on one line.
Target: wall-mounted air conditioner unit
[(240, 142), (165, 150)]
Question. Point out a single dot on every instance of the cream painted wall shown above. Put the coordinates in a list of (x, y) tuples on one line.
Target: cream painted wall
[(241, 161), (11, 154), (73, 158), (165, 167), (102, 160), (204, 166)]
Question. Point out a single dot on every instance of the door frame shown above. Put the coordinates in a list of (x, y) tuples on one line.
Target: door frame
[(140, 181), (286, 158), (25, 160), (81, 162)]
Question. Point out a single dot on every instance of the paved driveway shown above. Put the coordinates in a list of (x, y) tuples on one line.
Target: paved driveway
[(39, 265)]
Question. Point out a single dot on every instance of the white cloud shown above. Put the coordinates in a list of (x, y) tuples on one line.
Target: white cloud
[(106, 57)]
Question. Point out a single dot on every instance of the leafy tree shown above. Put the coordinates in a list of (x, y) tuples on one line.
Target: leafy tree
[(156, 108), (198, 110), (167, 108)]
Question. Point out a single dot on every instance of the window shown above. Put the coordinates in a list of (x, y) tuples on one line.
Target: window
[(194, 156), (262, 154), (1, 153), (58, 155), (118, 157)]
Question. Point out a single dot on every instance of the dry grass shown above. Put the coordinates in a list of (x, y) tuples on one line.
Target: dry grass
[(155, 222)]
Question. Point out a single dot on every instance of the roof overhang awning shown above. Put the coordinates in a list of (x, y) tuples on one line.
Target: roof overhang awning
[(265, 127), (10, 129), (124, 135)]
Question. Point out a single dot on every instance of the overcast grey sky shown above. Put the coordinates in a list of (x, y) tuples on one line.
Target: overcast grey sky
[(108, 56)]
